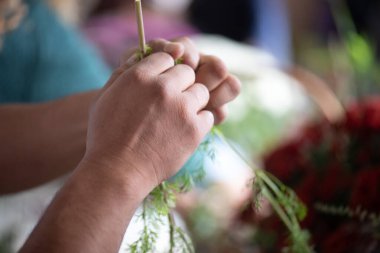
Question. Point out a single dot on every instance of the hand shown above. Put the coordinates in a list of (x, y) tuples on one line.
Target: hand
[(210, 71), (149, 119)]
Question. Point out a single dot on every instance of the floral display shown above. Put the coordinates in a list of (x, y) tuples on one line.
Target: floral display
[(335, 171)]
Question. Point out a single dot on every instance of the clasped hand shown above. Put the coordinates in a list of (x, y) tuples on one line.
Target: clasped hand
[(152, 114)]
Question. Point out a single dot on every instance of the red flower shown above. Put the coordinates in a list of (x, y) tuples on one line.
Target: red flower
[(366, 190), (364, 115), (337, 165), (285, 161), (341, 241), (334, 183)]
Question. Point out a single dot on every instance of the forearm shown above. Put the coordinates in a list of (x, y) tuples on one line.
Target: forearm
[(40, 142), (91, 212)]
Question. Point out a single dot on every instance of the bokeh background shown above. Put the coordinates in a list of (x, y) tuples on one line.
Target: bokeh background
[(299, 61)]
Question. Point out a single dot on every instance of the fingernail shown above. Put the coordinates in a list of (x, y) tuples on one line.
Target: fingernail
[(132, 60), (173, 49)]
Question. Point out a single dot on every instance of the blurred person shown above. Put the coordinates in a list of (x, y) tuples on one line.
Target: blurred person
[(55, 61), (112, 26), (262, 23)]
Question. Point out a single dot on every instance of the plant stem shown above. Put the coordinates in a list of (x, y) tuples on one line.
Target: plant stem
[(188, 245), (140, 25), (280, 212), (172, 226)]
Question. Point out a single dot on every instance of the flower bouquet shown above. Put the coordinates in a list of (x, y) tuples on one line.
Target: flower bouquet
[(335, 170)]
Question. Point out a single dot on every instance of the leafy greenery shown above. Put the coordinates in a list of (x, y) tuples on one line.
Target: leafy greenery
[(159, 204)]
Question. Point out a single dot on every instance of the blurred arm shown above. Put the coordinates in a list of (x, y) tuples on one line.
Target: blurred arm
[(40, 142)]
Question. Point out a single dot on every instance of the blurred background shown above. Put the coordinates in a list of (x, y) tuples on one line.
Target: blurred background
[(300, 61)]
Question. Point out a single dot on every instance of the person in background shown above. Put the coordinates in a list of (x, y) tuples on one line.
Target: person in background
[(261, 23), (112, 27)]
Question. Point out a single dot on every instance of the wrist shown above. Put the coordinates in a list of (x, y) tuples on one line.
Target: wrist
[(123, 174)]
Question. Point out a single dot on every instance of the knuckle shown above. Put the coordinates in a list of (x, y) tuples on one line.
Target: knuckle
[(189, 122), (202, 95), (138, 73), (218, 68), (165, 57), (234, 86), (185, 112), (184, 39), (220, 116), (162, 88), (204, 90), (189, 70), (157, 42)]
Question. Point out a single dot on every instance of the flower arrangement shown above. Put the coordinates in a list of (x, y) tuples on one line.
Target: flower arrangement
[(335, 171)]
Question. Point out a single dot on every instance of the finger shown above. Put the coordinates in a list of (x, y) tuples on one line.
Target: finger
[(180, 75), (220, 114), (129, 58), (115, 75), (191, 54), (197, 96), (205, 122), (154, 64), (211, 71), (227, 91), (175, 49)]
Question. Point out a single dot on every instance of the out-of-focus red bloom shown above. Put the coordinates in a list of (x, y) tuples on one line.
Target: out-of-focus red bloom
[(335, 182), (342, 240), (364, 115), (335, 165), (366, 190), (285, 161)]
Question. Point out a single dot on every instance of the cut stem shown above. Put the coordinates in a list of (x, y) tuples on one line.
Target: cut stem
[(140, 26)]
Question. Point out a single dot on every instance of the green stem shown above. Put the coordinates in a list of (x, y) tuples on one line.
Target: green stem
[(279, 195), (188, 245), (280, 212), (172, 227)]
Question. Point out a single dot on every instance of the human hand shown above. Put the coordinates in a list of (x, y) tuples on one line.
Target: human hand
[(149, 119), (210, 71)]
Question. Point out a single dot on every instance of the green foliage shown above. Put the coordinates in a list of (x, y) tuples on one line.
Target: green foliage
[(359, 50), (158, 205), (284, 202), (352, 213), (288, 207), (148, 237)]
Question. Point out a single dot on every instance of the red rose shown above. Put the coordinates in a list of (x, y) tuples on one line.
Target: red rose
[(285, 161), (372, 112), (364, 115), (354, 117), (366, 190), (335, 183), (341, 241)]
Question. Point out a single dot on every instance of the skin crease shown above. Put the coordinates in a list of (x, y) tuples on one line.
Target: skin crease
[(143, 125)]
